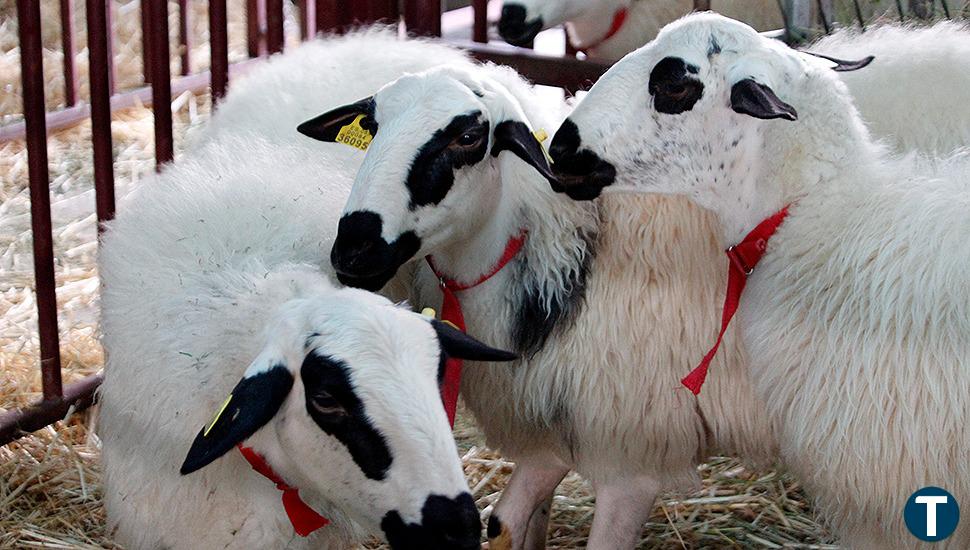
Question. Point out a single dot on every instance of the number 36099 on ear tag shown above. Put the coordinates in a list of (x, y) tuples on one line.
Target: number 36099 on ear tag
[(355, 135)]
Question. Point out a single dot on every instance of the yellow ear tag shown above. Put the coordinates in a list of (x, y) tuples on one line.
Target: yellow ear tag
[(215, 419), (355, 135), (431, 313), (541, 135)]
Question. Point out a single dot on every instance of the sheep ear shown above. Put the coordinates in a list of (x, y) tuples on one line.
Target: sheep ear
[(327, 126), (459, 345), (751, 98), (252, 403), (842, 65), (514, 136)]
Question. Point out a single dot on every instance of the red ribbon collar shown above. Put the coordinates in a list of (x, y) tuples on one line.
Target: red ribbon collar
[(743, 257), (304, 519), (619, 18), (451, 312)]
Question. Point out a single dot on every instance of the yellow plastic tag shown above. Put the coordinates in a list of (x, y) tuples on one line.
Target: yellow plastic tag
[(215, 419), (429, 312), (355, 135), (541, 136)]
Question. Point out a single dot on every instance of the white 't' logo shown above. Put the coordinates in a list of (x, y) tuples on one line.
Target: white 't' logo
[(931, 503)]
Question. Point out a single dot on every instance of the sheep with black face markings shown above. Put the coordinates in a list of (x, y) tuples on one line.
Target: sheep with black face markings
[(857, 319), (454, 173), (221, 264)]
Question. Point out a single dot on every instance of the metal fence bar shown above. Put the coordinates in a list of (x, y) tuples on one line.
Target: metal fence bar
[(423, 17), (161, 82), (218, 49), (67, 45), (185, 45), (333, 15), (308, 20), (480, 24), (564, 72), (77, 396), (32, 73), (274, 26), (109, 18), (104, 182), (255, 25)]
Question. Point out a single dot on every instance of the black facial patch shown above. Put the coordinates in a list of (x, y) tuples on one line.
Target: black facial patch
[(673, 89), (360, 255), (513, 27), (446, 524), (326, 126), (534, 321), (579, 172), (333, 404), (433, 171), (255, 400)]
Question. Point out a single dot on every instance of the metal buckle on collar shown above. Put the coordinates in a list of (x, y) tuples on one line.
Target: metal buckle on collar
[(738, 262)]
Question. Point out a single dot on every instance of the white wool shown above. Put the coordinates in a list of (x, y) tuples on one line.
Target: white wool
[(222, 263), (588, 21), (857, 319), (914, 94)]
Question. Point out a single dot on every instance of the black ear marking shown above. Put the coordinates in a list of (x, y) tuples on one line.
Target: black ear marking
[(326, 126), (514, 136), (459, 345), (842, 66), (754, 99), (253, 402)]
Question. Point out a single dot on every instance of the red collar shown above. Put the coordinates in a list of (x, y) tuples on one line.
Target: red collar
[(619, 18), (304, 519), (743, 257), (451, 312)]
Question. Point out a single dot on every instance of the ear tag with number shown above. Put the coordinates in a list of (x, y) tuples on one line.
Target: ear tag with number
[(355, 135), (215, 418), (541, 136)]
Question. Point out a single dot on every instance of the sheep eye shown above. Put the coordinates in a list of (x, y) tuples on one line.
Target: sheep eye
[(468, 140), (324, 403), (675, 91)]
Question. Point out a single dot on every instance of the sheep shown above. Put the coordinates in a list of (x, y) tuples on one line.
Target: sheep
[(218, 265), (609, 29), (454, 173), (221, 263), (914, 94), (857, 319)]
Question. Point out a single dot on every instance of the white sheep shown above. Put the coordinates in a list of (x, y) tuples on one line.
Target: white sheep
[(609, 29), (218, 265), (857, 320), (221, 263), (914, 95), (595, 388)]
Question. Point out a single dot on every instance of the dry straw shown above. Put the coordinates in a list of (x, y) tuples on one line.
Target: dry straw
[(50, 492)]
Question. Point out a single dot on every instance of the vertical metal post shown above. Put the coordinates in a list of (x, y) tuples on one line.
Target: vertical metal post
[(32, 73), (308, 20), (423, 17), (218, 49), (702, 5), (799, 17), (824, 12), (333, 16), (184, 37), (480, 26), (67, 44), (109, 19), (104, 184), (146, 45), (255, 27), (274, 26), (161, 82)]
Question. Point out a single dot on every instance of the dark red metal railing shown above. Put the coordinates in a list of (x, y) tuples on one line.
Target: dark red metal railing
[(264, 34)]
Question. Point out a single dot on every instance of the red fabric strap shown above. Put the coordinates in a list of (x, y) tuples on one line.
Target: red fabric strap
[(304, 519), (451, 312), (742, 258), (619, 18)]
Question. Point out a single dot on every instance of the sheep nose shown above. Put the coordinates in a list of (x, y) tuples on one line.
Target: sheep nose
[(513, 27), (581, 173), (454, 522)]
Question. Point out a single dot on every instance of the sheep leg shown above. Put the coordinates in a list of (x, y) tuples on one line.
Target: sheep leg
[(521, 517), (622, 507)]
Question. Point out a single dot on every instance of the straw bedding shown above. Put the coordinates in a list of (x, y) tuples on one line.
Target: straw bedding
[(50, 496)]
